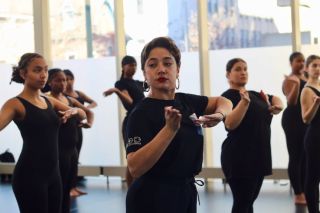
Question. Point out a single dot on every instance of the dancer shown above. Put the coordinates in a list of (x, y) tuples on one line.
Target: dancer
[(246, 152), (130, 93), (294, 127), (310, 101), (165, 141), (36, 180), (68, 135), (82, 98)]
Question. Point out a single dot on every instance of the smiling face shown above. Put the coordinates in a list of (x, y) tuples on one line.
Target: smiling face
[(36, 74), (238, 74), (161, 70)]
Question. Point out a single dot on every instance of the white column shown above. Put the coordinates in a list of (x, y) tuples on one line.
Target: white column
[(42, 31), (205, 73), (120, 49), (295, 19)]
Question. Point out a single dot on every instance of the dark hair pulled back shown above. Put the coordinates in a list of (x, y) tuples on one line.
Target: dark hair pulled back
[(163, 42), (24, 62)]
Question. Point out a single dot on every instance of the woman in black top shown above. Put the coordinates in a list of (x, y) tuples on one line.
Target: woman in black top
[(82, 98), (130, 93), (165, 141), (246, 152), (294, 127), (36, 180), (68, 135), (310, 101)]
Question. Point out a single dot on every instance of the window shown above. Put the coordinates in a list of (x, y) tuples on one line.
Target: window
[(216, 9), (140, 6)]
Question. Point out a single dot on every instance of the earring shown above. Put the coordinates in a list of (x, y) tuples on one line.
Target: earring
[(145, 86), (178, 83)]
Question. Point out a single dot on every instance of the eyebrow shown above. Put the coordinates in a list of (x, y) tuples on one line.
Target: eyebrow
[(155, 59), (41, 67)]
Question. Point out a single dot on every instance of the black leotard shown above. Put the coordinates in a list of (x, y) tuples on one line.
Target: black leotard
[(312, 148), (68, 158), (36, 180), (295, 131), (80, 136)]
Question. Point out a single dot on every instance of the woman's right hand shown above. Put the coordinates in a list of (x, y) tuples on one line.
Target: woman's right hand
[(245, 97), (292, 78), (110, 92), (173, 118), (316, 99)]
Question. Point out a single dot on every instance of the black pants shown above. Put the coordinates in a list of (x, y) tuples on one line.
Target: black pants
[(312, 147), (36, 191), (68, 162), (146, 195), (245, 191), (297, 160), (79, 145)]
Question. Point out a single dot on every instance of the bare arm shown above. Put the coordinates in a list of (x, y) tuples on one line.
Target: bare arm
[(92, 103), (291, 89), (7, 114), (88, 112), (141, 161), (66, 110), (237, 115), (218, 104), (309, 105), (276, 105), (123, 95)]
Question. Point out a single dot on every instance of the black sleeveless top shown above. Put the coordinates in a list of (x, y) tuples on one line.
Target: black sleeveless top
[(316, 120), (39, 131), (292, 117), (79, 98), (68, 135)]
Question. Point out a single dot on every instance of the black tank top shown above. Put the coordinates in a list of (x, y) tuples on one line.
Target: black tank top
[(39, 131), (316, 120), (292, 116), (79, 98), (68, 135)]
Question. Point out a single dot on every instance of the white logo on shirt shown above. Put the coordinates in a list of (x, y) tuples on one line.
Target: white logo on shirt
[(134, 141)]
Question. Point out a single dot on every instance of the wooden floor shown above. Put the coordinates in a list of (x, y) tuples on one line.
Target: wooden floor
[(111, 199)]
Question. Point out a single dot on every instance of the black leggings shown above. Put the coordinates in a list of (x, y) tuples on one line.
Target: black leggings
[(297, 160), (313, 174), (68, 162), (79, 145), (37, 192), (244, 191)]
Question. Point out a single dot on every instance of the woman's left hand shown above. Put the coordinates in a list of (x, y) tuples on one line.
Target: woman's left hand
[(274, 110), (68, 114), (209, 120), (85, 125)]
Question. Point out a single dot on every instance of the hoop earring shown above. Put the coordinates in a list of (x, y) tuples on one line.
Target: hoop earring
[(144, 86), (178, 84)]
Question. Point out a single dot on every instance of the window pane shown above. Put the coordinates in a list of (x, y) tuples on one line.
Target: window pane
[(147, 19), (102, 18), (68, 29), (16, 29), (248, 23), (309, 24)]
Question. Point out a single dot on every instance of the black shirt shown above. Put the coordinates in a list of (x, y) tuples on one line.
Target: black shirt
[(184, 155), (246, 152), (135, 90)]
